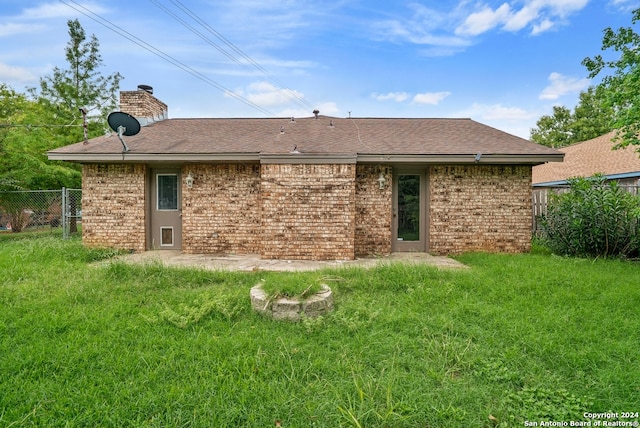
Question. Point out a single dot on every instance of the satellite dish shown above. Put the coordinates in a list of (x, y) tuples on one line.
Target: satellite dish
[(129, 123), (124, 124)]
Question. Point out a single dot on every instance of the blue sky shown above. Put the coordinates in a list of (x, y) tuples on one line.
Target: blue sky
[(503, 63)]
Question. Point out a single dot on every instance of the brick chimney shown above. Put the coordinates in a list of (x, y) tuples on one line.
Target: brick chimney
[(142, 105)]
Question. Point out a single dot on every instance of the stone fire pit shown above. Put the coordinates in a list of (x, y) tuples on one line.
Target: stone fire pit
[(292, 309)]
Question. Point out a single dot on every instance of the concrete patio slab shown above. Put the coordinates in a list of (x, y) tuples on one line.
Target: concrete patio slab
[(249, 263)]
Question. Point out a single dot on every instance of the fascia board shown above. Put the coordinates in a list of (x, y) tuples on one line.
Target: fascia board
[(458, 159), (146, 157), (302, 158), (306, 158)]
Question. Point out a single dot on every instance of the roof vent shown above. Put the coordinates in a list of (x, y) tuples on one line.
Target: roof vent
[(145, 88), (316, 112)]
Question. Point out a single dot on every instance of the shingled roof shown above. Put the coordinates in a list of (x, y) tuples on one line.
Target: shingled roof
[(588, 158), (300, 139)]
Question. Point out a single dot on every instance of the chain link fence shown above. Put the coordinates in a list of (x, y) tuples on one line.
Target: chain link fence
[(41, 210)]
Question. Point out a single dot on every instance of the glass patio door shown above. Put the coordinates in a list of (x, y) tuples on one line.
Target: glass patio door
[(409, 212)]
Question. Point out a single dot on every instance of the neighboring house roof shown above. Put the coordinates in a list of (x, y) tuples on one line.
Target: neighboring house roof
[(329, 138), (588, 158)]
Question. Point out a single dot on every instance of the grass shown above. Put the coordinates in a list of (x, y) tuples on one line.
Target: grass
[(514, 338), (301, 285)]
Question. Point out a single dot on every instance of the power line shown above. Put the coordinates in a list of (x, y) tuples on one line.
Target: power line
[(40, 125), (124, 33), (35, 125), (195, 31), (289, 93)]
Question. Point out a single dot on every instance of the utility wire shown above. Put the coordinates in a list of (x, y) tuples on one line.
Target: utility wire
[(289, 93), (195, 31), (40, 125), (122, 32), (35, 125)]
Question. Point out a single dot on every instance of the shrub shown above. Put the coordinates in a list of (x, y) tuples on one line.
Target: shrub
[(593, 218)]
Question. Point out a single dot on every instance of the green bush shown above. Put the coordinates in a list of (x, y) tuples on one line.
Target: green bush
[(594, 218)]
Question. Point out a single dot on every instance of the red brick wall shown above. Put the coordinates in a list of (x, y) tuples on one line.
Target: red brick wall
[(113, 206), (373, 211), (221, 213), (479, 208), (308, 211)]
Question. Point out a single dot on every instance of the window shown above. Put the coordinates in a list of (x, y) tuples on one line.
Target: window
[(167, 188)]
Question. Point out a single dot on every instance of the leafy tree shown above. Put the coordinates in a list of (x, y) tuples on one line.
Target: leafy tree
[(24, 139), (81, 86), (38, 122), (553, 131), (622, 90), (590, 118)]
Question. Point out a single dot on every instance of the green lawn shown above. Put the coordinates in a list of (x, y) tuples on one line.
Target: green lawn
[(515, 337)]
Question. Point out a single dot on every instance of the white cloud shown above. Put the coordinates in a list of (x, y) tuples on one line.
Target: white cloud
[(272, 24), (266, 94), (394, 96), (539, 15), (560, 85), (290, 64), (520, 19), (484, 20), (542, 27), (514, 120), (433, 98), (59, 10), (11, 29), (425, 26), (625, 5), (496, 112), (21, 24), (444, 30), (12, 74), (565, 7)]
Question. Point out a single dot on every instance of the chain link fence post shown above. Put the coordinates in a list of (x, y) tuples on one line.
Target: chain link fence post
[(65, 211)]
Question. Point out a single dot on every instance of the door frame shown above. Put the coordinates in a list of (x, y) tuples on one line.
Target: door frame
[(422, 245), (154, 222)]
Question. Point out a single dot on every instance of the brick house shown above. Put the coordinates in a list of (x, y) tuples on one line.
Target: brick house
[(319, 188)]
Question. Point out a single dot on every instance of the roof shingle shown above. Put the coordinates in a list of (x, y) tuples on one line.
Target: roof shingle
[(325, 135), (588, 158)]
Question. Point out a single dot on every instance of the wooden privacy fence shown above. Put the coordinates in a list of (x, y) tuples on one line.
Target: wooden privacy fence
[(540, 201)]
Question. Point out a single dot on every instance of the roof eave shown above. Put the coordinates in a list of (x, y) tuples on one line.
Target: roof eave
[(311, 158), (565, 182), (130, 157), (308, 158), (463, 158)]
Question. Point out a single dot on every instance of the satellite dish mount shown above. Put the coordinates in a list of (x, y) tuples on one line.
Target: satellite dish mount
[(124, 124)]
